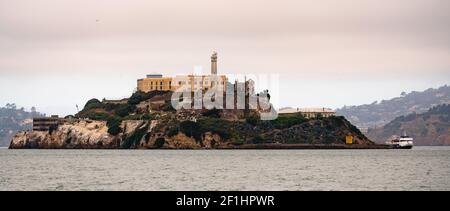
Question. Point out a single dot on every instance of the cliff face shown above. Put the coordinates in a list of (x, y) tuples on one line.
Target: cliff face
[(76, 135), (137, 134)]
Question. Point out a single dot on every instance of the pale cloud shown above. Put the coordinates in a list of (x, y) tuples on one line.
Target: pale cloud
[(108, 40)]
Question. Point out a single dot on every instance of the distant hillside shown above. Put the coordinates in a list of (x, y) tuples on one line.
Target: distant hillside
[(429, 128), (378, 114), (13, 119)]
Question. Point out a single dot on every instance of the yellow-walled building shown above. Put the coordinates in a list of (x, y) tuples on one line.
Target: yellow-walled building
[(155, 82), (193, 82)]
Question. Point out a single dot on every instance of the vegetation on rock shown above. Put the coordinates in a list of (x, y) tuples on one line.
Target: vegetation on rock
[(191, 129), (159, 143), (132, 141), (288, 120), (113, 124)]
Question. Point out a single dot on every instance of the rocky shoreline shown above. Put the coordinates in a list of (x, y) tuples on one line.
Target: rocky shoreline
[(140, 134)]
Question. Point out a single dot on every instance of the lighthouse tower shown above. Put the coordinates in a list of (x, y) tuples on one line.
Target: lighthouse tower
[(214, 63)]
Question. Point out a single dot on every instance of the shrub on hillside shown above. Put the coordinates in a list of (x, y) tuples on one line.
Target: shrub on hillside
[(191, 129), (252, 119), (287, 121), (137, 97), (100, 116), (214, 125), (111, 106), (160, 142), (213, 113), (140, 96), (235, 137), (113, 124), (173, 131), (93, 103), (124, 110)]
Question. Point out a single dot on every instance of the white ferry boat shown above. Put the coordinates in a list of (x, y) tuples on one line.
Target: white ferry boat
[(402, 142)]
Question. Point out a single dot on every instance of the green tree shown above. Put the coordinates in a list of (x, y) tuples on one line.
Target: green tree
[(191, 129), (92, 103), (113, 124), (124, 110), (137, 97), (214, 113)]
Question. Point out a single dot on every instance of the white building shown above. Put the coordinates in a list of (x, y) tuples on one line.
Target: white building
[(309, 112)]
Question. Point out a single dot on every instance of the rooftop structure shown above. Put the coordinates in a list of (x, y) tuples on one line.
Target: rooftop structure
[(309, 112), (154, 76)]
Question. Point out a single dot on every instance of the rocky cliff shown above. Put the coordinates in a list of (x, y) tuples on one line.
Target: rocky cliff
[(71, 135), (169, 132)]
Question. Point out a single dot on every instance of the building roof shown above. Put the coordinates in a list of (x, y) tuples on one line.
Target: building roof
[(154, 76)]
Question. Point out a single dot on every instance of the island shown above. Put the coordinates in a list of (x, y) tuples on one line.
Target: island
[(140, 123)]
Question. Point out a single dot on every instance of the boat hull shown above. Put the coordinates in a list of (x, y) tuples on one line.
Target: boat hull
[(402, 147)]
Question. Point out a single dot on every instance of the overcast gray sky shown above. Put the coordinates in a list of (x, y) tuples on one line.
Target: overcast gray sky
[(58, 53)]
